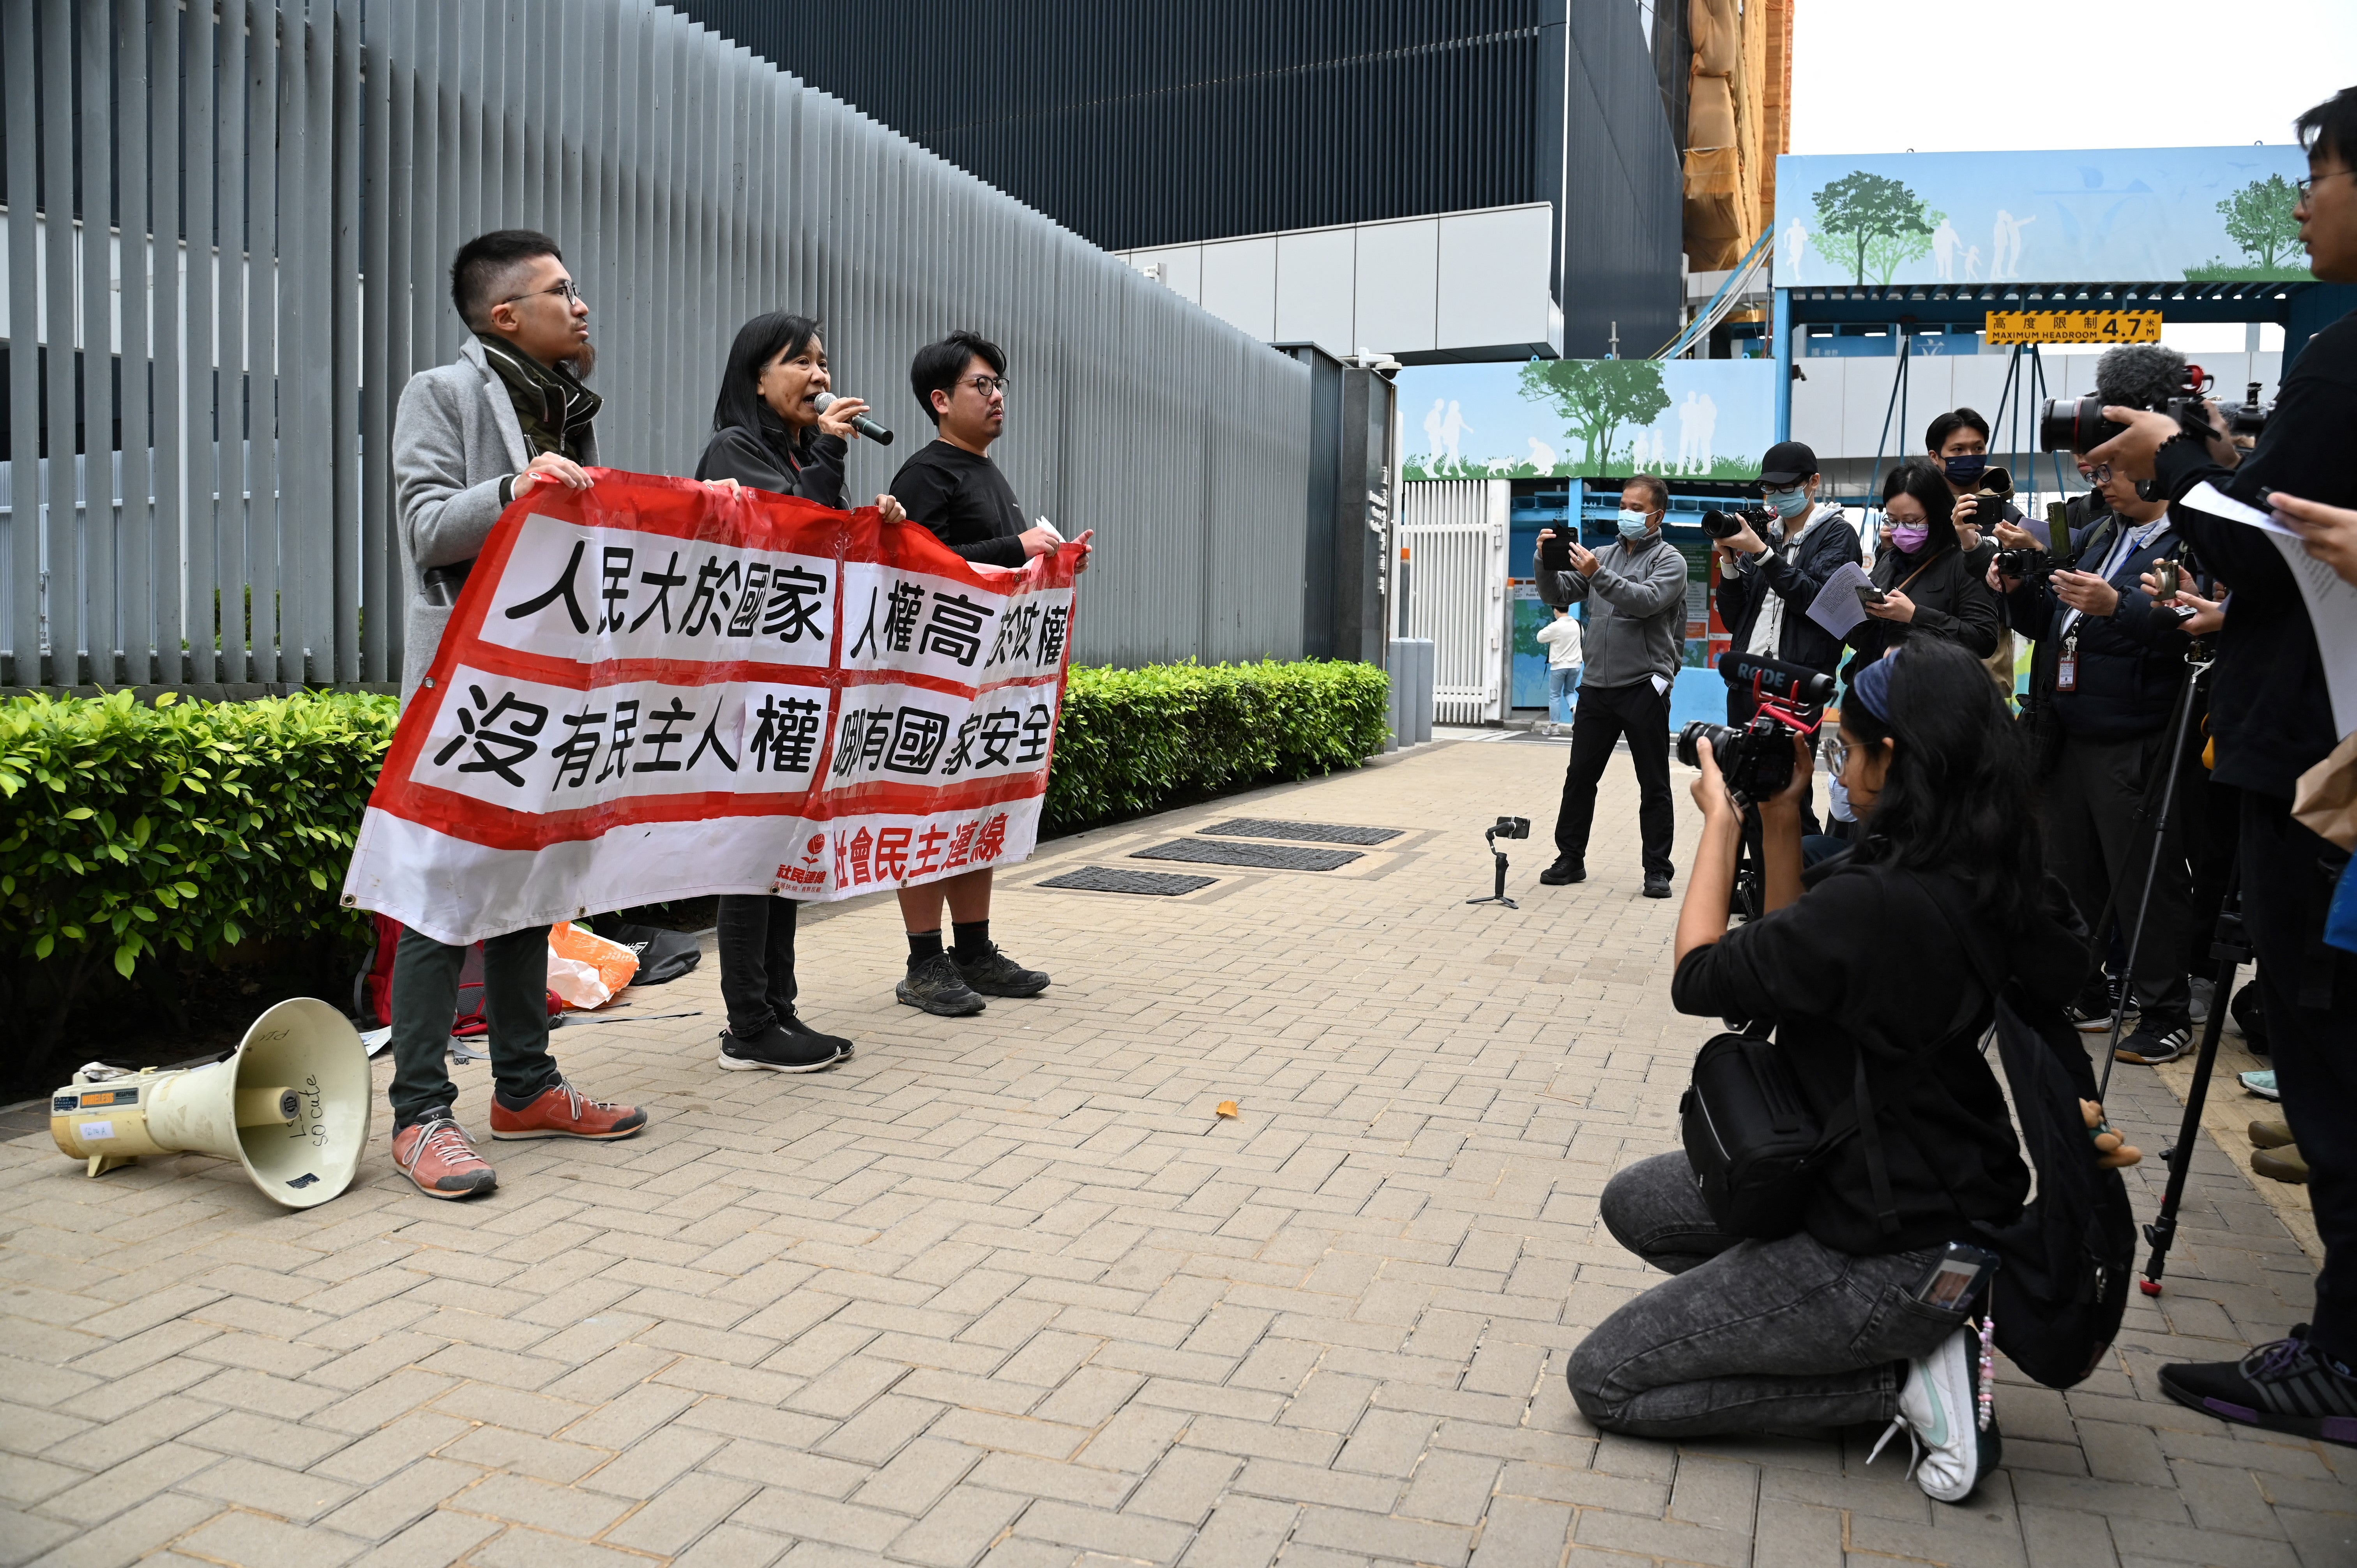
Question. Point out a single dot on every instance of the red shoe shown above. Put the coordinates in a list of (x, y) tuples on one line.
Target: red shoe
[(436, 1155), (564, 1112)]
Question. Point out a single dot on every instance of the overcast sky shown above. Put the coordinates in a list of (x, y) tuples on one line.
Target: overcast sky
[(2062, 73)]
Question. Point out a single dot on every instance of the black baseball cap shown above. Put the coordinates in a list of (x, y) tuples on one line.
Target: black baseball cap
[(1787, 463)]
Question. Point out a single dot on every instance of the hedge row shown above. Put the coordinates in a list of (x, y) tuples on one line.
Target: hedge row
[(1134, 740), (201, 824), (124, 827)]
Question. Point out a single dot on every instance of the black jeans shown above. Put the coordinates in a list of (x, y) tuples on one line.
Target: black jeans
[(2102, 847), (2310, 993), (425, 1002), (756, 961), (1604, 714), (1780, 1335)]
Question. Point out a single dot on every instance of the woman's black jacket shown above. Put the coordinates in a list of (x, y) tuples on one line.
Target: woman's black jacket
[(1950, 595), (1867, 960), (771, 458)]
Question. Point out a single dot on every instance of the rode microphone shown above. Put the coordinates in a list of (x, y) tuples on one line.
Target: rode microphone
[(1776, 678), (859, 422)]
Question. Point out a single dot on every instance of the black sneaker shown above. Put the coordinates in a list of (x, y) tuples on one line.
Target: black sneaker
[(800, 1030), (2156, 1040), (2287, 1386), (934, 984), (1564, 871), (2092, 1013), (1657, 886), (996, 974), (780, 1050)]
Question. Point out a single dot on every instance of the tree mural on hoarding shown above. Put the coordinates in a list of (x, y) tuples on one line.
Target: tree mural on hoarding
[(1881, 221), (1596, 398), (2258, 219)]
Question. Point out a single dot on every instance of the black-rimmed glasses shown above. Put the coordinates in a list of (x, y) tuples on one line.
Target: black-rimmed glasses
[(986, 385), (568, 289)]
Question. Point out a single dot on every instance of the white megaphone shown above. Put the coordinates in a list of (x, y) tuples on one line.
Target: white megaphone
[(291, 1105)]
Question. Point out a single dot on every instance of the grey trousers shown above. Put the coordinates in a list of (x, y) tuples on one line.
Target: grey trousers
[(425, 999), (1750, 1336)]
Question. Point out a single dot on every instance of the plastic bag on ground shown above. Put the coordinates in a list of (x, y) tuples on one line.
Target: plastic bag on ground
[(586, 968)]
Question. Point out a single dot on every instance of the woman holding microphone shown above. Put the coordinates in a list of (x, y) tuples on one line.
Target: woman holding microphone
[(768, 434)]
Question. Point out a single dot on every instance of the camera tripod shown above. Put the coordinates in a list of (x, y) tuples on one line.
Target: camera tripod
[(2197, 660), (2230, 947), (1513, 828)]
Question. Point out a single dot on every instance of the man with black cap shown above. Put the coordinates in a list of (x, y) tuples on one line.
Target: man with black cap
[(1766, 585)]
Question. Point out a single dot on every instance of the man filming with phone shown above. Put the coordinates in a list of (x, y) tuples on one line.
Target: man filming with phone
[(1635, 591)]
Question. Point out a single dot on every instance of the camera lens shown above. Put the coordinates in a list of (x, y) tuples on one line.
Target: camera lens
[(1719, 735), (1720, 525)]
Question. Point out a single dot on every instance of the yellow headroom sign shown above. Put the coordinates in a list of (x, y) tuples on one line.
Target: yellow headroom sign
[(2074, 326)]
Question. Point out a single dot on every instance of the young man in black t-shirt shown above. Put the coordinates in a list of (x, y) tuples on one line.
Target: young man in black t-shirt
[(953, 488)]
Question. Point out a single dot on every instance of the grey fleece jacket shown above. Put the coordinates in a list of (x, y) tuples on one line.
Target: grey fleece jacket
[(455, 437), (1636, 611)]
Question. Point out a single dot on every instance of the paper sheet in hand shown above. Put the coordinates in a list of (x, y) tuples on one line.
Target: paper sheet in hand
[(2206, 497), (1835, 607), (2333, 612), (2331, 603)]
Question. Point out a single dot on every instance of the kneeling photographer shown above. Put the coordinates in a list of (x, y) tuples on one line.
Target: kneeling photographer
[(2115, 661), (1861, 1314)]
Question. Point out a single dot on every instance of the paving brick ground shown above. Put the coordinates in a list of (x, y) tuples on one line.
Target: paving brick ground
[(1006, 1291)]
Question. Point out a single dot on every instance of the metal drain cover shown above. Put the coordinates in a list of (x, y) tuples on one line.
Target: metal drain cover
[(1313, 833), (1266, 856), (1107, 879)]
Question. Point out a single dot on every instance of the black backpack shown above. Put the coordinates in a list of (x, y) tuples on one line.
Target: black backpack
[(2064, 1285)]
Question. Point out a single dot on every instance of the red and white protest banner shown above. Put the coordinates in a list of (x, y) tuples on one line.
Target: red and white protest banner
[(660, 689)]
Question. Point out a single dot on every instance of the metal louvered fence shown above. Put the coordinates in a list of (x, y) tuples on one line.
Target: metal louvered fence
[(281, 187)]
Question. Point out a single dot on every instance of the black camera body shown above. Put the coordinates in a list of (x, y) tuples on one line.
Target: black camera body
[(1511, 828), (2079, 425), (1756, 761), (1727, 524), (2027, 563)]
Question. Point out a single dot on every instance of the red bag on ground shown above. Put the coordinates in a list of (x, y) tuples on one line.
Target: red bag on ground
[(372, 992)]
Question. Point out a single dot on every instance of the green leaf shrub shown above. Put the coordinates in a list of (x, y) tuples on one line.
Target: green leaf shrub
[(124, 827), (1134, 740)]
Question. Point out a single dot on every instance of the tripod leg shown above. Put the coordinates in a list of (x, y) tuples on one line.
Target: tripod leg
[(2231, 948), (2174, 763)]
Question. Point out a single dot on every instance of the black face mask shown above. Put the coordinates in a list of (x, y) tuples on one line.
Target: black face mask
[(1964, 470)]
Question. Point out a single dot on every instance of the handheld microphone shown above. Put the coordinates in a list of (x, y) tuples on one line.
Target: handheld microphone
[(859, 422)]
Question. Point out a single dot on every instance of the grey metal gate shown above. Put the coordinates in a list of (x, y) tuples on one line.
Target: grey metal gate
[(281, 187)]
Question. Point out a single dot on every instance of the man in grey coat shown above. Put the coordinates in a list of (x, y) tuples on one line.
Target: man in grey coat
[(509, 416), (1635, 592)]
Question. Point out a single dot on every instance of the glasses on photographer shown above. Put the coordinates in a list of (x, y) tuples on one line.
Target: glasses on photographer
[(2309, 184), (1836, 754), (570, 290), (1768, 491), (986, 385)]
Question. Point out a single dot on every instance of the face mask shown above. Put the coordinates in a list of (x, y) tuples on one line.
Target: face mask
[(1964, 470), (1634, 525), (1791, 504), (1911, 537)]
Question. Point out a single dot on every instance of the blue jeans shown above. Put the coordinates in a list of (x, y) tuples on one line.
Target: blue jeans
[(1561, 685)]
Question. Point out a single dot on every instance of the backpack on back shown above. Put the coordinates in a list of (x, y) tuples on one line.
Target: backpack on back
[(2063, 1287)]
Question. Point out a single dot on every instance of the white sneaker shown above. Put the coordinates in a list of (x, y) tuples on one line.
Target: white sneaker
[(1939, 1409)]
